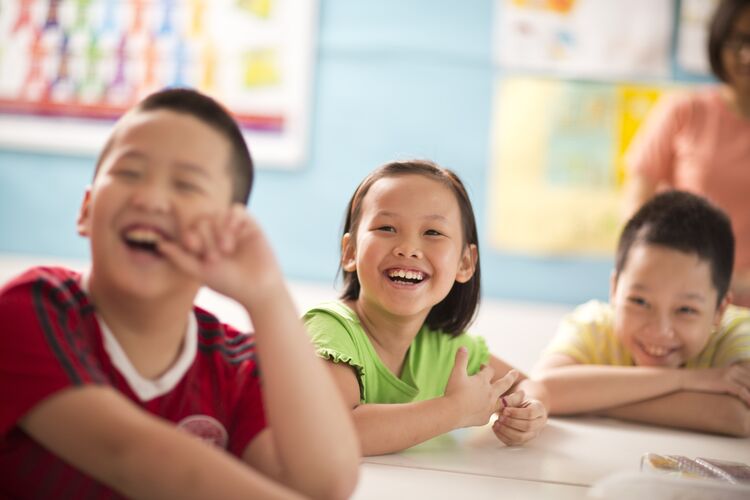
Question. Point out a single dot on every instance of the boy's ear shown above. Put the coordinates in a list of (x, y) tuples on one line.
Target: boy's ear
[(468, 264), (82, 224), (722, 307), (612, 285), (348, 254)]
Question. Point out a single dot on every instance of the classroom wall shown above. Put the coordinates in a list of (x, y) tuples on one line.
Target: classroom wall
[(394, 79)]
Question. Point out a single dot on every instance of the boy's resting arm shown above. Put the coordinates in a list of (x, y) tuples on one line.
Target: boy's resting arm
[(699, 411), (305, 413), (576, 388), (231, 255), (100, 432)]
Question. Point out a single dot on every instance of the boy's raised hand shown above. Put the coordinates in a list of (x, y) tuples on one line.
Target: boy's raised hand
[(477, 396), (520, 419), (226, 252)]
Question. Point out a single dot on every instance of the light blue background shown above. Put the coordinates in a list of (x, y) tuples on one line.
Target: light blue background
[(394, 79)]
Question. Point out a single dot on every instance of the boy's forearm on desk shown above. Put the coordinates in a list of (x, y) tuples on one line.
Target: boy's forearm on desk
[(585, 388), (700, 411)]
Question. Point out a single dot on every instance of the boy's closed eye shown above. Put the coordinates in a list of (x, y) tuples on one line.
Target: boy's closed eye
[(187, 186), (126, 172), (687, 310), (433, 232), (638, 301), (386, 229)]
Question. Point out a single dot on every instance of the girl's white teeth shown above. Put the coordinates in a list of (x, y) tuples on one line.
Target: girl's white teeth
[(410, 275)]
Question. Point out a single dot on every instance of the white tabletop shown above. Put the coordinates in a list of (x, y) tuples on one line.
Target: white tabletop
[(570, 451), (378, 481)]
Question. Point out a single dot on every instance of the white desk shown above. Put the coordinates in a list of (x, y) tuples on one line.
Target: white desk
[(378, 481), (575, 451), (570, 455)]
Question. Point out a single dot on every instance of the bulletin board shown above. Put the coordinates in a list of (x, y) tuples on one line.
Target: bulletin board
[(556, 174), (69, 68), (575, 80), (593, 39)]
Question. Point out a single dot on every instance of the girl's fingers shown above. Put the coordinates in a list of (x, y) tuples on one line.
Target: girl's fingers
[(486, 372), (511, 436), (528, 412), (517, 424), (505, 382), (511, 400)]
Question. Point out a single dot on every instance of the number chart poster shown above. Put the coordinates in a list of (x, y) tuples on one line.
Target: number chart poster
[(557, 166), (69, 68)]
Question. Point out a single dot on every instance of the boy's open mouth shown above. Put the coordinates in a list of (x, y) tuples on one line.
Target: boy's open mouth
[(405, 276), (143, 239)]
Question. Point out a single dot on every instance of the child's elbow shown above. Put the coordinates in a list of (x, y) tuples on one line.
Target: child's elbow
[(339, 484), (736, 419), (744, 423), (337, 478)]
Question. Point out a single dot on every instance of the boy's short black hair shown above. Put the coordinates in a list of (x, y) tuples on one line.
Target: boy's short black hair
[(686, 222), (719, 31), (213, 114), (457, 310)]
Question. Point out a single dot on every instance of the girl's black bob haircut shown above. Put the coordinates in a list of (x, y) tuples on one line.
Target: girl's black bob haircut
[(458, 309)]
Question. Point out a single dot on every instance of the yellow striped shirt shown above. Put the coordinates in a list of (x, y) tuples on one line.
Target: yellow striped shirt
[(587, 335)]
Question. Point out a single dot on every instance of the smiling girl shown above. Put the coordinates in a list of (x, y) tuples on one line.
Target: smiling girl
[(395, 341)]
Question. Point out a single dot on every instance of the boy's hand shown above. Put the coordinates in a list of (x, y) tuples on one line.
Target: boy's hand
[(520, 420), (228, 253), (733, 379), (476, 396)]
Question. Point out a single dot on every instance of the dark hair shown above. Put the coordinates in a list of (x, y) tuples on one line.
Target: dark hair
[(213, 114), (456, 311), (727, 12), (685, 222)]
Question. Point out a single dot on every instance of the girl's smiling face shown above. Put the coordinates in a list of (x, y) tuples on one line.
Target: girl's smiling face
[(408, 249), (665, 305)]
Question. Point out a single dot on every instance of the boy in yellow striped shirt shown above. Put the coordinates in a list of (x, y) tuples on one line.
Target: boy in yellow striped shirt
[(669, 348)]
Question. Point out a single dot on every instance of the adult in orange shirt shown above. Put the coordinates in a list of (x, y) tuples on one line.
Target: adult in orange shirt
[(700, 141)]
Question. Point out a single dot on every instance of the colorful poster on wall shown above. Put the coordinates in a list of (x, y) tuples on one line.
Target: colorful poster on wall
[(557, 163), (68, 68), (596, 39)]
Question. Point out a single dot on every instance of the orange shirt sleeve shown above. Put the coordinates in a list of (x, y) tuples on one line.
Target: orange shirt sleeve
[(652, 152)]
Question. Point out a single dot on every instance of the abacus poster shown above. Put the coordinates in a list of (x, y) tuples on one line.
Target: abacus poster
[(69, 68)]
